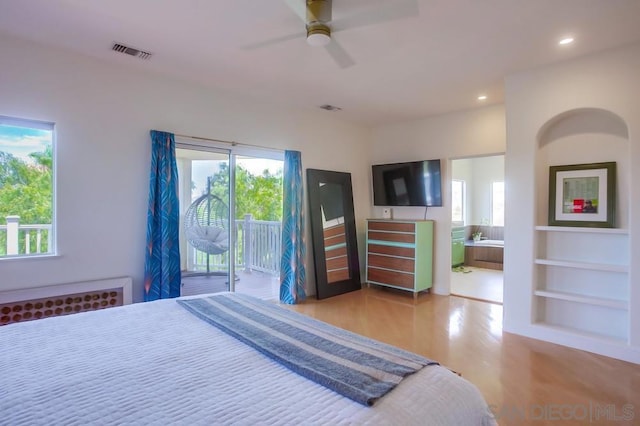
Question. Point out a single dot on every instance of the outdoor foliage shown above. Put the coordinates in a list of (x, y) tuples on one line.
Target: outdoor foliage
[(26, 190), (258, 195)]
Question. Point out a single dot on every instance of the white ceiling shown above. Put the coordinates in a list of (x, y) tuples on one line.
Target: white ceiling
[(434, 61)]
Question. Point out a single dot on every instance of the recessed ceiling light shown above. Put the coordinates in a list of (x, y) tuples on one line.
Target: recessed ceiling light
[(566, 40), (482, 97)]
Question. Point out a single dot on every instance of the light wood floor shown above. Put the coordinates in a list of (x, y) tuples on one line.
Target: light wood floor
[(477, 283), (520, 378)]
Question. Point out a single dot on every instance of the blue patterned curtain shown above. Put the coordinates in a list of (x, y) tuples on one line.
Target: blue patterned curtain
[(162, 260), (292, 273)]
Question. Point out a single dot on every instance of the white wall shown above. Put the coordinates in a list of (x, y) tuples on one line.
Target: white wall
[(103, 114), (608, 81), (462, 134)]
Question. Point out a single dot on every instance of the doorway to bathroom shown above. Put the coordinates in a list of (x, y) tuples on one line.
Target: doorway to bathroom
[(477, 232)]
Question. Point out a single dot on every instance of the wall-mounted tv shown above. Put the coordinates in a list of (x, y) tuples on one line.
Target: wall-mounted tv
[(415, 183)]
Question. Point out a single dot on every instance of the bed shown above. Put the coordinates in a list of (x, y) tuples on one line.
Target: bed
[(157, 363)]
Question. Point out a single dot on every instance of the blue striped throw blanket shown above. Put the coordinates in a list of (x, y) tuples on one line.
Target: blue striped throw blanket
[(357, 367)]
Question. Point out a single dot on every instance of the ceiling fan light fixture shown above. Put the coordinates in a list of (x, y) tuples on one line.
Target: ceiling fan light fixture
[(318, 34)]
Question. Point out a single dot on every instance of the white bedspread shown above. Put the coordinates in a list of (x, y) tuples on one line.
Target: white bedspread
[(155, 363)]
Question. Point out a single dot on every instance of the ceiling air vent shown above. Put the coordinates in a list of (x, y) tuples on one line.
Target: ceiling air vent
[(131, 51), (330, 107)]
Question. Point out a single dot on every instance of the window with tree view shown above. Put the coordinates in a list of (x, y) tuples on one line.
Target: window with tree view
[(26, 188)]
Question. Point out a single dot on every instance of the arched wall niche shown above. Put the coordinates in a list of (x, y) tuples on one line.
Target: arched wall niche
[(582, 121), (583, 136)]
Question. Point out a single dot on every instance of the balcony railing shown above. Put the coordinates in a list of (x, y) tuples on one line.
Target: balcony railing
[(258, 245), (17, 239), (258, 248)]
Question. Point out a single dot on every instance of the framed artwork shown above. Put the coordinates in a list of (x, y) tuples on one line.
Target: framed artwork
[(583, 195)]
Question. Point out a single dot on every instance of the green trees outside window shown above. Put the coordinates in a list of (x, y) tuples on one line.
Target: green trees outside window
[(258, 195), (26, 187)]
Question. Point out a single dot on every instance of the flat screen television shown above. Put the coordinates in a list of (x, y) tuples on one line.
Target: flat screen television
[(415, 183)]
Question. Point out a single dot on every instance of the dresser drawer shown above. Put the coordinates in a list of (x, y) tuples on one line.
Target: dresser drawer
[(333, 231), (337, 275), (341, 262), (335, 252), (391, 236), (334, 240), (392, 250), (398, 279), (391, 226), (388, 262)]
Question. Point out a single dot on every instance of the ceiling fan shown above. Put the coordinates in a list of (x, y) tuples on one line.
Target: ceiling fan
[(317, 17)]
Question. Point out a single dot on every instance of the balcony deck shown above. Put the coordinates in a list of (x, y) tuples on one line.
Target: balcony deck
[(258, 284)]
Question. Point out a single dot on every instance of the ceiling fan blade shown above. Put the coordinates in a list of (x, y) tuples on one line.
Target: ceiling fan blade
[(387, 11), (272, 41), (339, 55)]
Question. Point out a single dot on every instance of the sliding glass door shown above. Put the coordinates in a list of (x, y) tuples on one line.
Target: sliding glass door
[(230, 213), (206, 245)]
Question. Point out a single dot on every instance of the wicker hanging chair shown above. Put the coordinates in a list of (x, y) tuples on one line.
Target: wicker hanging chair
[(206, 224)]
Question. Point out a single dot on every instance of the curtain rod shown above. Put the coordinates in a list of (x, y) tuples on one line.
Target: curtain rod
[(232, 143)]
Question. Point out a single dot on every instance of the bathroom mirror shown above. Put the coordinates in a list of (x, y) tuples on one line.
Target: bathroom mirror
[(333, 230)]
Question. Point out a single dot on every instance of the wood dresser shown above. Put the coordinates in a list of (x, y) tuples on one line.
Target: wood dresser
[(400, 254)]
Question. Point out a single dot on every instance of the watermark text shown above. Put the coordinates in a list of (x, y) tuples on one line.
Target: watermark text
[(587, 413)]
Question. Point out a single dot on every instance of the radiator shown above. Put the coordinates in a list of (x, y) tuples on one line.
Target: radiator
[(64, 299)]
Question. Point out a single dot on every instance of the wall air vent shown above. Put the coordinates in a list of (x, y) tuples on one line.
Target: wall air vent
[(121, 48)]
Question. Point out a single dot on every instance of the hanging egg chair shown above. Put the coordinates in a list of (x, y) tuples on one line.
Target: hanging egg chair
[(206, 224)]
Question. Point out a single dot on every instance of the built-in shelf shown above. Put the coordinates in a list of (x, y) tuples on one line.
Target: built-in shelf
[(584, 265), (620, 231), (598, 301), (581, 333), (582, 294)]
